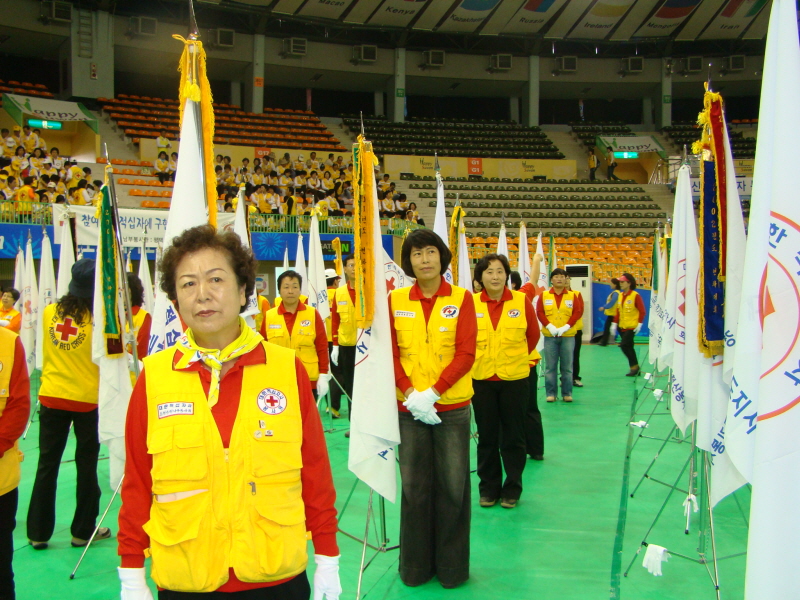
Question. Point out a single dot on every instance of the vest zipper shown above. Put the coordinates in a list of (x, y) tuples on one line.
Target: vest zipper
[(252, 485)]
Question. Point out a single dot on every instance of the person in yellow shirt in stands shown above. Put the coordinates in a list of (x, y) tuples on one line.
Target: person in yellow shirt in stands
[(74, 175), (9, 145), (228, 177), (162, 167), (19, 162), (162, 141), (260, 199), (299, 164), (29, 139), (384, 183), (25, 197), (41, 143), (68, 395), (48, 168), (10, 317), (173, 165), (36, 161), (257, 178)]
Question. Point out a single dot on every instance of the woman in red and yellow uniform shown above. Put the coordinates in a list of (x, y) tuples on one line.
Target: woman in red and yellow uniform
[(294, 324), (227, 474), (142, 321), (433, 335), (507, 334), (344, 332), (68, 395), (10, 317), (629, 317)]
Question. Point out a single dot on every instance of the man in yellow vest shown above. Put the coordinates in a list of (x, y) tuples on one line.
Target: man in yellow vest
[(332, 280), (343, 331), (15, 406), (558, 311), (629, 316)]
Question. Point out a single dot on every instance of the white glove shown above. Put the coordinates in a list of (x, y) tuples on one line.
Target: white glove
[(562, 330), (420, 403), (4, 323), (552, 329), (323, 384), (653, 558), (638, 328), (613, 330), (134, 584), (335, 355), (130, 363), (326, 578), (430, 417)]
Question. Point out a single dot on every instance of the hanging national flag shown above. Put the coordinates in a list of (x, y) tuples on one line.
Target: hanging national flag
[(524, 263), (440, 218), (656, 313), (144, 277), (374, 430), (66, 258), (29, 294), (300, 264), (19, 273), (317, 288), (47, 293), (502, 241)]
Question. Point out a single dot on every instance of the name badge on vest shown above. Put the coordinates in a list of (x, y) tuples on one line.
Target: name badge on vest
[(410, 314), (479, 315), (342, 303), (547, 301), (568, 303), (275, 326), (170, 409)]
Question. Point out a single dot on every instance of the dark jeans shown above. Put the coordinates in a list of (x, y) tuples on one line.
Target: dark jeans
[(435, 507), (576, 356), (500, 415), (8, 513), (558, 351), (534, 433), (607, 331), (297, 588), (53, 433), (347, 365), (611, 172), (592, 172), (335, 391), (626, 345)]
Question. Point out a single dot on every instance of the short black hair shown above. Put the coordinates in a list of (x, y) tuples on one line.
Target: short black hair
[(614, 283), (136, 289), (421, 238), (14, 293), (516, 280), (289, 275), (557, 271), (486, 260), (631, 279)]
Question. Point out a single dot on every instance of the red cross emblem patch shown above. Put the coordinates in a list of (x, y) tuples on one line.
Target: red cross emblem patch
[(66, 330), (271, 401)]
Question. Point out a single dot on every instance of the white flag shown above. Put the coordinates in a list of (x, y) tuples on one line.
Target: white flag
[(300, 264), (502, 242), (395, 276), (66, 258), (441, 226), (188, 209), (524, 263), (144, 277), (464, 271), (240, 229), (29, 294), (681, 304), (19, 274), (374, 428), (317, 288), (767, 377), (656, 313), (286, 258), (544, 277), (47, 293)]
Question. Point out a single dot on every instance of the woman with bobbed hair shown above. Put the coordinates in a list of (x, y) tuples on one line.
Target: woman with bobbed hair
[(227, 468), (628, 317), (433, 340)]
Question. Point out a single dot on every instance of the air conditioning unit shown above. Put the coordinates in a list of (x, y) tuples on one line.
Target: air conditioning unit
[(633, 64), (434, 58), (567, 64), (502, 62), (225, 38), (733, 64), (365, 53), (61, 12), (143, 26), (693, 64), (295, 47)]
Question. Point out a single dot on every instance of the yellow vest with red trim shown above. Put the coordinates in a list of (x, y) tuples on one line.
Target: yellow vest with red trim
[(558, 315), (628, 313), (9, 463), (579, 322), (138, 321), (263, 307), (300, 339), (329, 320), (613, 310), (347, 317), (247, 512), (425, 351), (68, 370), (502, 351)]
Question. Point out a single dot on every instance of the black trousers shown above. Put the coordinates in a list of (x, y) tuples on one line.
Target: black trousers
[(592, 172), (611, 173), (500, 415), (347, 366), (296, 588), (626, 345), (576, 356), (435, 509), (607, 331), (335, 392), (534, 433), (8, 521), (53, 433)]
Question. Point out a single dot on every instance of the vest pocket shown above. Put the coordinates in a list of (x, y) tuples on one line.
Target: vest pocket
[(271, 457), (281, 532), (178, 453)]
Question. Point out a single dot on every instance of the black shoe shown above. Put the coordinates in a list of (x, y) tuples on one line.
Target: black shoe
[(537, 456), (347, 434), (487, 502), (633, 373), (102, 534), (577, 383), (508, 502), (38, 545)]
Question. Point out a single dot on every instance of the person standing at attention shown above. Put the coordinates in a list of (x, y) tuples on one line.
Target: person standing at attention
[(343, 332), (332, 280), (576, 353), (610, 309), (628, 317), (558, 310), (434, 333)]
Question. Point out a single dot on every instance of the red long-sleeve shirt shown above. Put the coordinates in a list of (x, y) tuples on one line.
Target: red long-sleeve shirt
[(336, 319), (639, 307), (143, 335), (18, 406), (466, 339), (496, 311), (577, 308), (319, 494)]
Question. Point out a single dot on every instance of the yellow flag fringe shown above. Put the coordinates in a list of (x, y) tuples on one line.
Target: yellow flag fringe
[(452, 240), (364, 205)]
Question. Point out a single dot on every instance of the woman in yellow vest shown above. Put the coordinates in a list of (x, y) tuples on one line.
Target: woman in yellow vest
[(142, 321), (68, 395), (628, 317), (344, 331), (507, 334), (162, 167), (609, 309), (15, 406), (227, 475), (294, 324), (10, 317), (434, 334)]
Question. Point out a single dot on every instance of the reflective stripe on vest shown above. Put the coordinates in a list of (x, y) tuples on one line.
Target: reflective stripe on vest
[(558, 315), (347, 317), (9, 463), (215, 508), (300, 339), (502, 351), (426, 351), (628, 313)]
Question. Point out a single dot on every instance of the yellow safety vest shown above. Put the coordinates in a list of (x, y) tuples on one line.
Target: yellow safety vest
[(579, 322), (300, 339), (329, 320), (347, 317), (628, 314), (613, 310), (249, 512), (67, 352), (9, 463), (425, 351), (558, 315), (502, 351), (263, 307)]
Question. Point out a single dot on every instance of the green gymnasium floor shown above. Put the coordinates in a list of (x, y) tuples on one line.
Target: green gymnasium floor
[(560, 543)]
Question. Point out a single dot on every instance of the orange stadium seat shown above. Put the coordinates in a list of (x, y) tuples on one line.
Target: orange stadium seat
[(136, 192), (163, 204), (148, 204)]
